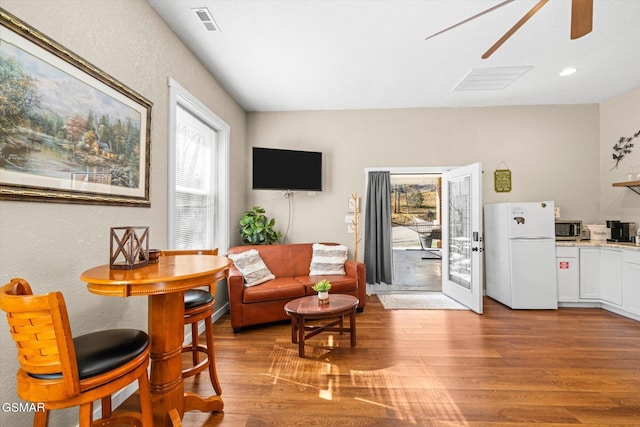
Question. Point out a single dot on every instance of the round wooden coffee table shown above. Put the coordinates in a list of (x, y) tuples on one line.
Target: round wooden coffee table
[(309, 308)]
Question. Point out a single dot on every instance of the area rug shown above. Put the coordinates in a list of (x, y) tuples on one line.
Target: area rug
[(419, 301)]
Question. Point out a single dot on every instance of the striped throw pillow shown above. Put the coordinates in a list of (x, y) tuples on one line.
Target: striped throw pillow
[(328, 260), (252, 267)]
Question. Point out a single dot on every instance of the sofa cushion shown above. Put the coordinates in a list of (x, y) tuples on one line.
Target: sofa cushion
[(328, 260), (252, 268), (278, 258), (279, 288), (339, 284)]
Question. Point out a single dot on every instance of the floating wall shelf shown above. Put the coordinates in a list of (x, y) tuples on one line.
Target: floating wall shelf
[(632, 185)]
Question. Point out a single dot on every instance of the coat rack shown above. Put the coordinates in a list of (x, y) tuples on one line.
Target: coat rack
[(356, 213)]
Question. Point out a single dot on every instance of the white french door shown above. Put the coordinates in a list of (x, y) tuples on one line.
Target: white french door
[(462, 243)]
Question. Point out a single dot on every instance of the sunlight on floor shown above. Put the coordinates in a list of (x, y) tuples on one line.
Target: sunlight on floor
[(409, 395)]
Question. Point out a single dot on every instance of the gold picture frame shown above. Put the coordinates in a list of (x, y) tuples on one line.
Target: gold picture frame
[(74, 134)]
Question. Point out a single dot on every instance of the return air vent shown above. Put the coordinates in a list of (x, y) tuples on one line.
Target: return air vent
[(205, 17), (491, 78)]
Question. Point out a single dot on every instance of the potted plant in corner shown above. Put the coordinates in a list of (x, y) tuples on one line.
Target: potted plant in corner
[(257, 229), (322, 288)]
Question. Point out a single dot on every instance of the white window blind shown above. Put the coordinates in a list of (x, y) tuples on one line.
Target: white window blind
[(195, 182)]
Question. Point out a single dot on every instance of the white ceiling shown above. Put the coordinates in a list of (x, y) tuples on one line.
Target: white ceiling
[(285, 55)]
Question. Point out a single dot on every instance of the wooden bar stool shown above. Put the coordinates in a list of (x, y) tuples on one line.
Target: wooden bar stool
[(198, 306), (59, 371)]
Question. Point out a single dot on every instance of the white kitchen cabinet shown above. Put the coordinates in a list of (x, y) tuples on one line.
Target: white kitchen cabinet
[(611, 275), (608, 277), (631, 282), (568, 273), (590, 273)]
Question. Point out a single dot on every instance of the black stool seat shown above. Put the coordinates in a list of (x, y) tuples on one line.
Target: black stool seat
[(196, 297), (103, 351)]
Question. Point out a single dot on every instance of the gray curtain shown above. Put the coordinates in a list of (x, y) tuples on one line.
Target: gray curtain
[(377, 232)]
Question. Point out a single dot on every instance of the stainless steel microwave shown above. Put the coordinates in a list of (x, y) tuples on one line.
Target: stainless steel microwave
[(567, 229)]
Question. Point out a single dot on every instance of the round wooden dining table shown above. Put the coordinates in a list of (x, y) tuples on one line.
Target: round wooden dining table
[(164, 284)]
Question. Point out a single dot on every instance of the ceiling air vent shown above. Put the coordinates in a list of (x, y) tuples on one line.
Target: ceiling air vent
[(491, 78), (205, 17)]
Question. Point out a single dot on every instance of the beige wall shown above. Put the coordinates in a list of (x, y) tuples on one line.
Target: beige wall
[(552, 152), (51, 244), (619, 117)]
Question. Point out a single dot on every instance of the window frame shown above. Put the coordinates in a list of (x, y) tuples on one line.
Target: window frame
[(220, 160)]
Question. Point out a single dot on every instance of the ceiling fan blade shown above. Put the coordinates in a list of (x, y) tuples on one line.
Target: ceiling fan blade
[(471, 18), (581, 18), (515, 28)]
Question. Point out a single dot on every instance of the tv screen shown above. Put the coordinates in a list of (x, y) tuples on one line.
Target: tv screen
[(277, 169)]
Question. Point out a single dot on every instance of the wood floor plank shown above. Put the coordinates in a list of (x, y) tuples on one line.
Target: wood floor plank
[(569, 367)]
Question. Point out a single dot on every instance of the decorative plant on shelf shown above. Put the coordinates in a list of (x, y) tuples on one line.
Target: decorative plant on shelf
[(257, 229), (322, 288), (623, 147)]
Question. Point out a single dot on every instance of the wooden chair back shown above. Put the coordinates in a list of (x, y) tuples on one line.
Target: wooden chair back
[(40, 328)]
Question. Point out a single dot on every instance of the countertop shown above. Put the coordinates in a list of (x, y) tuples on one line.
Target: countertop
[(597, 244)]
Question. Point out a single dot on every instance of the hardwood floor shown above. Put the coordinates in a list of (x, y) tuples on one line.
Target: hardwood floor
[(432, 368)]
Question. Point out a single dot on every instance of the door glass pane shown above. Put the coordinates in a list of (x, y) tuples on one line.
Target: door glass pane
[(460, 231)]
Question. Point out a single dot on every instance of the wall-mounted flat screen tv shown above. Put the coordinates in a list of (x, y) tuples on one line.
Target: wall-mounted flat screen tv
[(278, 169)]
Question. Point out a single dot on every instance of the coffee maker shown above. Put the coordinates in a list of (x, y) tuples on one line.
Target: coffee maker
[(622, 231)]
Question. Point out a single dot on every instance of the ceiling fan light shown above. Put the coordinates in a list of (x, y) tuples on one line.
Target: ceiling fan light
[(568, 71)]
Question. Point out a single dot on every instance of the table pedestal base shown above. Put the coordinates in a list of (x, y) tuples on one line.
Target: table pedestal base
[(166, 382), (196, 402)]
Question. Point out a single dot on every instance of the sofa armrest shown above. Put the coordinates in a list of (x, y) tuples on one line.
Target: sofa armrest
[(357, 269), (235, 286), (351, 268)]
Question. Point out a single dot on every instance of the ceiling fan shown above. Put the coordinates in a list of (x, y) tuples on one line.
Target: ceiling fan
[(581, 21)]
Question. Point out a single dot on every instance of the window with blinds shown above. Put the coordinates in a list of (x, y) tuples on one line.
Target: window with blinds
[(198, 174), (195, 198)]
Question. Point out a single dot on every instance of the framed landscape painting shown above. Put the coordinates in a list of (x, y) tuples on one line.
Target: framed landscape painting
[(68, 131)]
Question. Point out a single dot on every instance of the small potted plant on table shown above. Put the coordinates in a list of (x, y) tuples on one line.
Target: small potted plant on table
[(322, 288)]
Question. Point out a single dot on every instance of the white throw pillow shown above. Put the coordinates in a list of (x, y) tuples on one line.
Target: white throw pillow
[(252, 267), (328, 260)]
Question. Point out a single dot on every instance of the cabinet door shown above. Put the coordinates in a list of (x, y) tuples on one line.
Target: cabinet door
[(611, 275), (568, 274), (589, 273), (631, 287)]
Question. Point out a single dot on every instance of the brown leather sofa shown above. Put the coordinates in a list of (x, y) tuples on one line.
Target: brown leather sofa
[(290, 264)]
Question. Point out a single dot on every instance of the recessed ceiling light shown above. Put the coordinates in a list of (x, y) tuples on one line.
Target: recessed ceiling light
[(568, 71)]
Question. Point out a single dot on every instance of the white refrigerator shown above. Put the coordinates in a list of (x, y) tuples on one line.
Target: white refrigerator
[(520, 254)]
